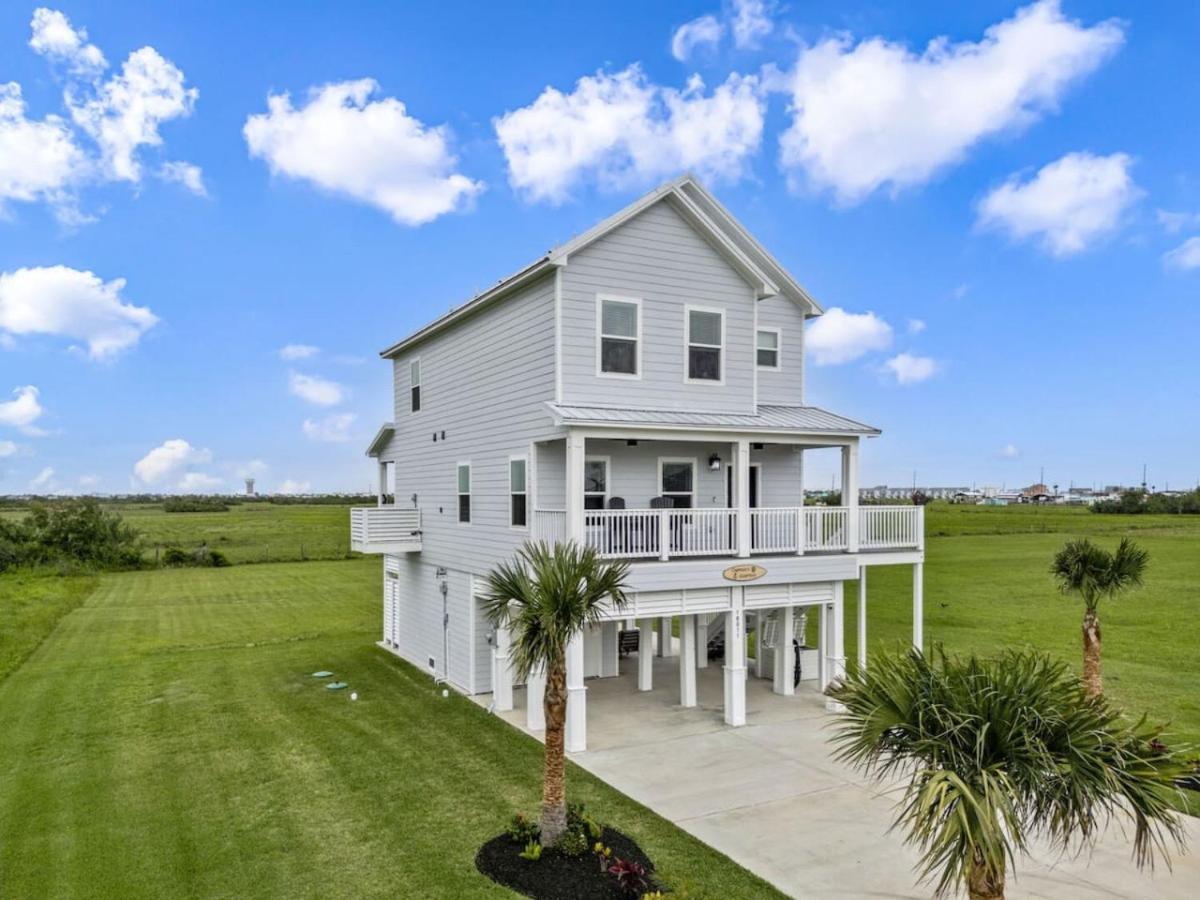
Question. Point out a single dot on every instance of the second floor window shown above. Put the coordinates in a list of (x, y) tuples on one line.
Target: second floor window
[(414, 370), (464, 492), (619, 329), (705, 342), (767, 348), (517, 507)]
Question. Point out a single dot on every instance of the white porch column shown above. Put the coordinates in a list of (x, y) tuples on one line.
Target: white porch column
[(645, 654), (610, 649), (823, 629), (379, 494), (862, 617), (502, 682), (837, 641), (785, 659), (741, 462), (735, 661), (535, 699), (666, 640), (574, 486), (576, 737), (759, 664), (702, 641), (687, 660), (919, 607), (850, 493)]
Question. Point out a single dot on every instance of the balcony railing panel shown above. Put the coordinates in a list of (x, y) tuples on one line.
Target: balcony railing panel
[(550, 525), (385, 529), (825, 528), (886, 527)]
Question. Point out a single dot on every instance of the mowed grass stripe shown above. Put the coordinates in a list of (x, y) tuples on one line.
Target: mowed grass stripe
[(171, 741)]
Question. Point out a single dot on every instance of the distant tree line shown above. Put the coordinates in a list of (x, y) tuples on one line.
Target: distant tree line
[(1134, 502), (188, 504)]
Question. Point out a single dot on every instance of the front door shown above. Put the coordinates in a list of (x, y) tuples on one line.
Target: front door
[(755, 469)]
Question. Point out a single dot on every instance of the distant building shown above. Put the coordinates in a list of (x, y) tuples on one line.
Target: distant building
[(250, 487)]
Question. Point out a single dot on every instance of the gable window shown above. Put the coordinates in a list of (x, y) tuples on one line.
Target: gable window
[(767, 348), (620, 329), (517, 504), (677, 480), (705, 342), (595, 482), (414, 371), (464, 492)]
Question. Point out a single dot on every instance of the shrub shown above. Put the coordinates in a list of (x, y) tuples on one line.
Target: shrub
[(532, 851), (201, 556), (632, 877), (522, 830), (195, 504), (70, 533), (572, 843), (217, 559), (175, 557)]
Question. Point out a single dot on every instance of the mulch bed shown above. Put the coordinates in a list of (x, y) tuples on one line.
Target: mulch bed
[(555, 876)]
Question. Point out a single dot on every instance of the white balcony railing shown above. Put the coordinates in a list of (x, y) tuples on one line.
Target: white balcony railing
[(385, 529), (669, 533)]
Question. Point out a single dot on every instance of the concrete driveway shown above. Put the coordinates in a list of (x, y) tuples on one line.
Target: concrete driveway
[(769, 796)]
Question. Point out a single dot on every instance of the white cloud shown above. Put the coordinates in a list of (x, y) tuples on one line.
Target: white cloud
[(169, 459), (63, 301), (841, 337), (961, 291), (54, 37), (1069, 203), (89, 481), (252, 469), (39, 160), (316, 390), (125, 112), (1010, 451), (7, 448), (874, 114), (43, 481), (186, 174), (693, 34), (909, 369), (298, 351), (23, 411), (1175, 222), (372, 151), (199, 482), (624, 130), (333, 429), (751, 21), (916, 326), (290, 486), (1184, 257)]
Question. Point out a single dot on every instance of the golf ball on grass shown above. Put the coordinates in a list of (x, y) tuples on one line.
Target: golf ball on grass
[(445, 693), (354, 695)]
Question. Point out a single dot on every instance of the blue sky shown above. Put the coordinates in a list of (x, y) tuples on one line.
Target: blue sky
[(1008, 221)]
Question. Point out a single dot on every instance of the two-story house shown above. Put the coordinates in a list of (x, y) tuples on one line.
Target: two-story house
[(639, 389)]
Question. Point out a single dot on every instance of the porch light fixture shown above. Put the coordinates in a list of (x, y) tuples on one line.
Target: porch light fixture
[(714, 463), (631, 443)]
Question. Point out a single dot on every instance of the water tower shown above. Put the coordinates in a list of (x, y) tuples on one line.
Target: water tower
[(249, 487)]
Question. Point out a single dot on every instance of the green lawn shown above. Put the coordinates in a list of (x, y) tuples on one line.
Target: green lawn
[(167, 740)]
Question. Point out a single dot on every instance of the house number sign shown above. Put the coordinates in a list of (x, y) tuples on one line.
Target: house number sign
[(747, 572)]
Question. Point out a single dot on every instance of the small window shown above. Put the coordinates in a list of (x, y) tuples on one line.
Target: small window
[(414, 369), (619, 327), (768, 348), (464, 492), (517, 493), (705, 338), (595, 483), (679, 481)]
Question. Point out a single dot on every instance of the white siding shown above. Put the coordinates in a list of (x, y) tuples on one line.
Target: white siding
[(659, 258), (786, 386)]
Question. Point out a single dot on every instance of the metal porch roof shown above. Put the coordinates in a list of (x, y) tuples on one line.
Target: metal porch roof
[(802, 419)]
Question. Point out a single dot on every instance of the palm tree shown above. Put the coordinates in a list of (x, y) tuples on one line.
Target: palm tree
[(1092, 572), (999, 752), (547, 596)]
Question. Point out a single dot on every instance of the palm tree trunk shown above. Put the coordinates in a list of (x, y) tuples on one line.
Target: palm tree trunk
[(982, 882), (1093, 680), (554, 772)]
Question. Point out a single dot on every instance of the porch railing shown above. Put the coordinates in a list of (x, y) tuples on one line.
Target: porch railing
[(385, 529), (668, 533)]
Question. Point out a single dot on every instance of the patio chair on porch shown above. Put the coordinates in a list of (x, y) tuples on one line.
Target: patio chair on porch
[(667, 503)]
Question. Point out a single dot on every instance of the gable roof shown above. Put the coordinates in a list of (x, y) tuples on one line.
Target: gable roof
[(382, 438), (696, 205)]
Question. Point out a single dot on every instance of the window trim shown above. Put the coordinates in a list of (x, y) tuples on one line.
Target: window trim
[(524, 458), (617, 298), (693, 461), (778, 332), (688, 309), (458, 494), (607, 460), (420, 381)]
